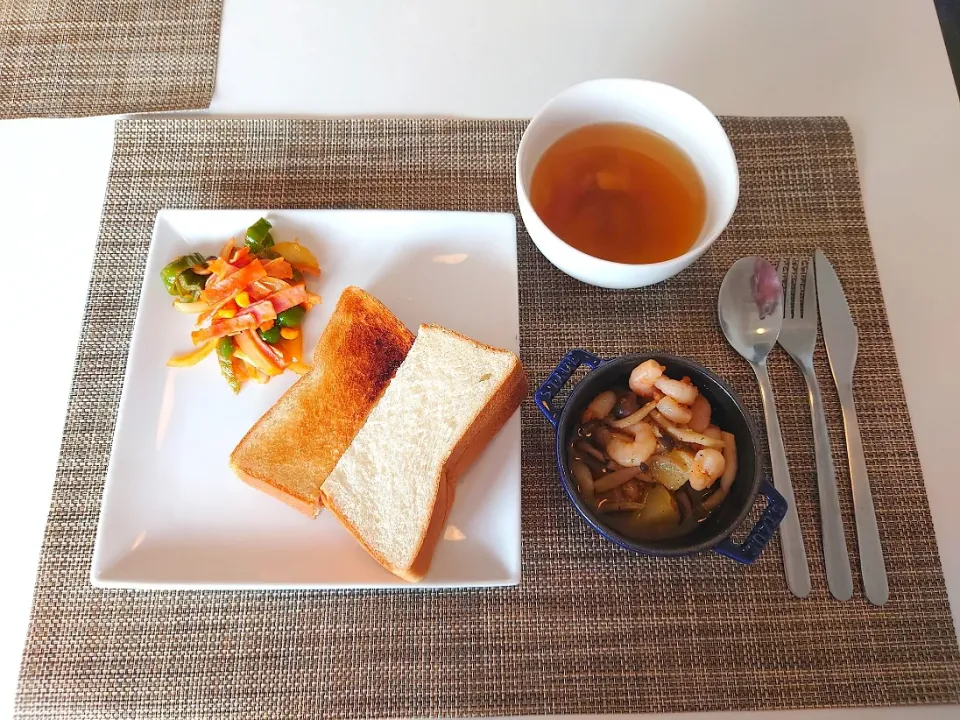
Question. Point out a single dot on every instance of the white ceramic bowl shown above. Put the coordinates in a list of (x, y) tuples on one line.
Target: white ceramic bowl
[(672, 113)]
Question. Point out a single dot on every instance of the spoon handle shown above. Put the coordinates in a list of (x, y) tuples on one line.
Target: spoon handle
[(791, 538)]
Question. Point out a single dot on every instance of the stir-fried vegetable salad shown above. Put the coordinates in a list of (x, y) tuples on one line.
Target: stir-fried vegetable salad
[(250, 301)]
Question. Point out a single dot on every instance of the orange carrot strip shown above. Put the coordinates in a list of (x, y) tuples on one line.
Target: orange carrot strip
[(221, 268), (279, 268), (223, 326), (239, 255), (265, 286), (232, 284)]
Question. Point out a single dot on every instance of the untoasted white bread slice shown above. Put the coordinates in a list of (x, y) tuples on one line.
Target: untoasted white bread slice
[(290, 451), (394, 485)]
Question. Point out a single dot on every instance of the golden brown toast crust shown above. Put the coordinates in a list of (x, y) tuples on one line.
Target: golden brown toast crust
[(292, 449)]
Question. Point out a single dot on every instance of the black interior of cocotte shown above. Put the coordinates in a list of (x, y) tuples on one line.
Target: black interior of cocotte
[(728, 413)]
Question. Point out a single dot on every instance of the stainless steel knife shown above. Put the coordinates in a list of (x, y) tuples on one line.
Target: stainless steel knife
[(840, 337)]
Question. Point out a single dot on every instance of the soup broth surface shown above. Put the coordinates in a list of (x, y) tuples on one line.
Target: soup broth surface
[(621, 193)]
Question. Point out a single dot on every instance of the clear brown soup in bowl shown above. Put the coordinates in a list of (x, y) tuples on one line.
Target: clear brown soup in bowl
[(620, 192), (604, 144)]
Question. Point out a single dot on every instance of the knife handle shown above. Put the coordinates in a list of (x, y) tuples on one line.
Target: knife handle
[(791, 538), (839, 577), (868, 534)]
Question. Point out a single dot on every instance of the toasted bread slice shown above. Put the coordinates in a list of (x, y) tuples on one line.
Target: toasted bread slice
[(292, 449), (395, 484)]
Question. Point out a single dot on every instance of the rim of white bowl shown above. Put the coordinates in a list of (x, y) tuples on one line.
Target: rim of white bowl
[(694, 251)]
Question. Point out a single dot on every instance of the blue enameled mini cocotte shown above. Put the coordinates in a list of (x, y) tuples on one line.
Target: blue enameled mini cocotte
[(728, 413)]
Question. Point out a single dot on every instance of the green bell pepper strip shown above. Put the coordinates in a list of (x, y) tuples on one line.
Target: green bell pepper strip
[(172, 271), (224, 357), (190, 284), (258, 236)]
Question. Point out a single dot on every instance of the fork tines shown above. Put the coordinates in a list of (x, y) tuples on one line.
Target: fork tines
[(800, 284)]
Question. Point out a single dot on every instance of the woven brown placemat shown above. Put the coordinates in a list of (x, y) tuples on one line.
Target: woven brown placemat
[(591, 628), (68, 58)]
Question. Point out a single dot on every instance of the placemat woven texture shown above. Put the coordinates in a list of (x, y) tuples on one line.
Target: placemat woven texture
[(67, 58), (591, 628)]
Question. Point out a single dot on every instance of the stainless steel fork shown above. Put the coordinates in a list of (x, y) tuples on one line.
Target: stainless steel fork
[(798, 336)]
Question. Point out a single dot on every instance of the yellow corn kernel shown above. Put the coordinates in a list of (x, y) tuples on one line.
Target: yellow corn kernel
[(267, 325), (243, 299), (227, 311), (289, 333)]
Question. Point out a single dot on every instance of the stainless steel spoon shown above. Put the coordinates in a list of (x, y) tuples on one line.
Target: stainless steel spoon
[(751, 313)]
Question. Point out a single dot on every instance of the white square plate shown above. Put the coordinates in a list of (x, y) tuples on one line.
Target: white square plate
[(173, 513)]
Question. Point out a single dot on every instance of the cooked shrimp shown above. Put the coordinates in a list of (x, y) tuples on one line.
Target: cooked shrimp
[(680, 391), (600, 406), (674, 411), (644, 376), (713, 431), (700, 414), (634, 452), (708, 466)]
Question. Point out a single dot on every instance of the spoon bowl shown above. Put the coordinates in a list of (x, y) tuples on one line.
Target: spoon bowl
[(750, 307)]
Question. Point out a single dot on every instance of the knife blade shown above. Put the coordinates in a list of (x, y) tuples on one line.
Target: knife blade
[(839, 332), (840, 337)]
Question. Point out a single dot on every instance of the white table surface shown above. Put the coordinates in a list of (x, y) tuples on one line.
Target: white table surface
[(879, 63)]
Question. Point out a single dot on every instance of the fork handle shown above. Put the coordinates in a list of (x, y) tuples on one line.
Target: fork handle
[(791, 538), (836, 559), (872, 566)]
